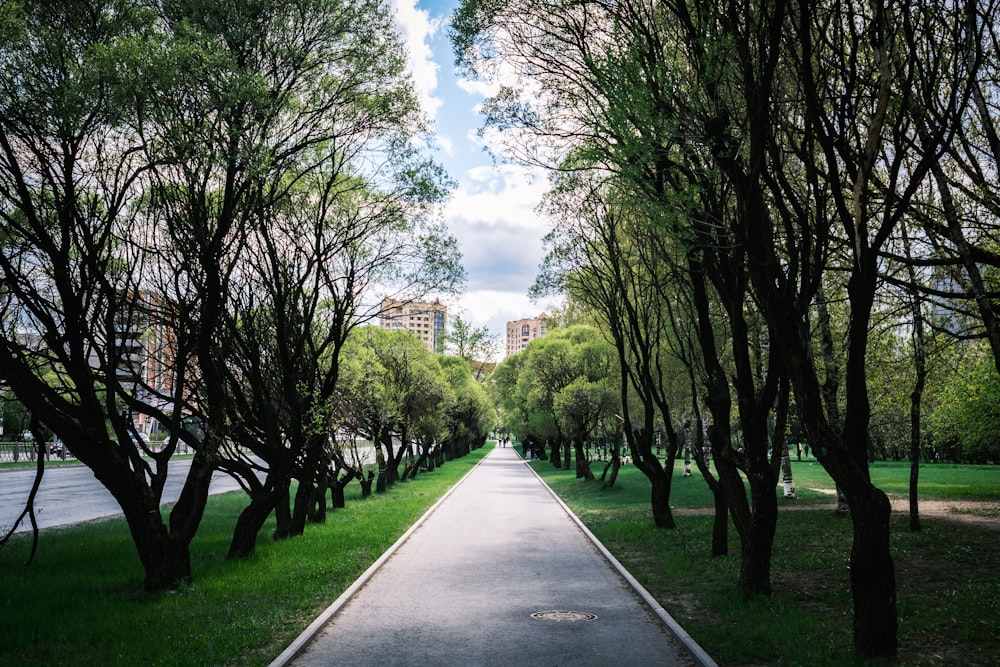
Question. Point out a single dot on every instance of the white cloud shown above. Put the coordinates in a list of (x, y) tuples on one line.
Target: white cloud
[(494, 308), (478, 87), (416, 28), (446, 144), (502, 193), (492, 214)]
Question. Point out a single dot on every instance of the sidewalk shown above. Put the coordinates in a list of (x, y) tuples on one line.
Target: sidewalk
[(461, 588)]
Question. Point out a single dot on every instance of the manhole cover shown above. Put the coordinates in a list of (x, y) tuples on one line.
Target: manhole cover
[(564, 616)]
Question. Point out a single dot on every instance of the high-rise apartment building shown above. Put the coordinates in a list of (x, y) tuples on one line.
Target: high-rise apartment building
[(522, 332), (426, 321)]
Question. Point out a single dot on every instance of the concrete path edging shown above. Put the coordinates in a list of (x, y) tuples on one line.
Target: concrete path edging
[(697, 652), (314, 628)]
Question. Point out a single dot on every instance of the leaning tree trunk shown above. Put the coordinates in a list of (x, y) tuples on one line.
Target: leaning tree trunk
[(165, 559), (305, 494), (250, 523), (165, 555)]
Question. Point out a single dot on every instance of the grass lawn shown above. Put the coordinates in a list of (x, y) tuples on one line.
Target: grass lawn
[(81, 601), (948, 575)]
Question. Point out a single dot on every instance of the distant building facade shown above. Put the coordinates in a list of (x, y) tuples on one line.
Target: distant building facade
[(424, 320), (522, 332)]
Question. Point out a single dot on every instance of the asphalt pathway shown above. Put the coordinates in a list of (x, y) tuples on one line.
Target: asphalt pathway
[(466, 584)]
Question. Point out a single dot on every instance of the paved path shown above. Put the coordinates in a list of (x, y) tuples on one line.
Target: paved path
[(461, 587)]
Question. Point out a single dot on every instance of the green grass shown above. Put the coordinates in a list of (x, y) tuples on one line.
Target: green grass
[(81, 601), (948, 575), (938, 481)]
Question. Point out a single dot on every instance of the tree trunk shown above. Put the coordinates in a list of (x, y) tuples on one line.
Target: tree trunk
[(165, 557), (250, 522), (366, 484), (756, 547), (312, 467), (337, 499), (873, 575), (916, 396), (186, 514), (582, 464), (787, 482), (554, 458), (540, 452), (166, 561), (720, 522), (283, 514), (663, 517)]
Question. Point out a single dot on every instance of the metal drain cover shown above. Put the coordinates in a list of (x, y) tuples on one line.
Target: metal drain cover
[(564, 616)]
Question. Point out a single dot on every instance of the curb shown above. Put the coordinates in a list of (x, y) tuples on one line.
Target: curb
[(696, 651), (299, 643)]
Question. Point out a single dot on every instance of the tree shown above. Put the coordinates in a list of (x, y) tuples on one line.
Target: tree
[(74, 289), (582, 406), (788, 156), (303, 191), (606, 103), (473, 344), (616, 265), (471, 416)]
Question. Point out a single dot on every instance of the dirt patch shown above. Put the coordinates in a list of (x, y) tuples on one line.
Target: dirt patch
[(984, 514)]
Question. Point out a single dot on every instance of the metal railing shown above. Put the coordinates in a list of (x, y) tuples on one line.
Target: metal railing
[(14, 452)]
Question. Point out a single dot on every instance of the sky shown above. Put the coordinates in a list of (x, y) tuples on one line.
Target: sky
[(491, 212)]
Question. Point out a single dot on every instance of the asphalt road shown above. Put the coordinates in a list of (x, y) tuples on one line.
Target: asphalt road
[(498, 574), (71, 494)]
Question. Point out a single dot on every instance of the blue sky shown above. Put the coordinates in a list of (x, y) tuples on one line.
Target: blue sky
[(491, 212)]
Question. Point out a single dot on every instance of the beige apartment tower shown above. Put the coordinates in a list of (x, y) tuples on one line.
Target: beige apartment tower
[(522, 332), (426, 321)]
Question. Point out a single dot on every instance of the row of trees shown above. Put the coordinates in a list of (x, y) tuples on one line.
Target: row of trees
[(561, 393), (753, 191), (199, 201)]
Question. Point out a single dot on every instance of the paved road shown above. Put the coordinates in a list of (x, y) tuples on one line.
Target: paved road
[(462, 588), (70, 494)]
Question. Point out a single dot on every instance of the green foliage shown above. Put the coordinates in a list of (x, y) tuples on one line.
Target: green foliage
[(562, 385), (966, 414)]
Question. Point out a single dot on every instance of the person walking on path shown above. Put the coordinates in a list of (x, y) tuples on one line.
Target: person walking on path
[(497, 573)]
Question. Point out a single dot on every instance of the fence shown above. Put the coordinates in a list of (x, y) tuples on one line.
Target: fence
[(13, 452), (26, 451)]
